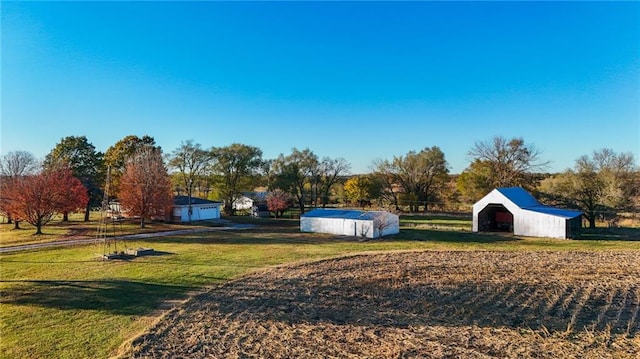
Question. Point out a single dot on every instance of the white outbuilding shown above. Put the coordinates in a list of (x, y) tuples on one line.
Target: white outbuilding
[(515, 210), (201, 209), (369, 224)]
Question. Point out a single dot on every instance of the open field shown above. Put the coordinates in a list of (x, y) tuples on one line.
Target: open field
[(63, 303), (416, 304)]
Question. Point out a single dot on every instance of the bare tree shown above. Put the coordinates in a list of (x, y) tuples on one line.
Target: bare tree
[(509, 162), (329, 171)]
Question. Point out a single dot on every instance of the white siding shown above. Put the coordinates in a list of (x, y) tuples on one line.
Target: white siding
[(393, 227), (494, 197), (323, 225), (525, 222), (243, 202), (536, 224), (198, 212), (350, 227)]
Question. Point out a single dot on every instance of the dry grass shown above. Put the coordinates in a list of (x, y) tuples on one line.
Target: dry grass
[(415, 304), (76, 228)]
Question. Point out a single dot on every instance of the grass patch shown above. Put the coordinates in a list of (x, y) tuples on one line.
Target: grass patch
[(77, 228), (64, 303)]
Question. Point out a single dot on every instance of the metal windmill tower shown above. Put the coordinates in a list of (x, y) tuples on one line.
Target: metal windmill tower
[(109, 244)]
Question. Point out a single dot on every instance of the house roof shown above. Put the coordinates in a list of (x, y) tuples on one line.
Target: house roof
[(525, 200), (343, 213), (260, 196), (184, 201)]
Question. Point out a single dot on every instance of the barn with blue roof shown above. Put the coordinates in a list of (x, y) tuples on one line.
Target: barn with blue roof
[(348, 222), (515, 210)]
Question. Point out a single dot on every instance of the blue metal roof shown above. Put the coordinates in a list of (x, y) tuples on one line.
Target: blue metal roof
[(519, 196), (559, 212), (340, 213), (525, 200)]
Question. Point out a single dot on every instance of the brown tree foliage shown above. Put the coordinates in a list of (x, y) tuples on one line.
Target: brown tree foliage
[(145, 186), (278, 201), (35, 199)]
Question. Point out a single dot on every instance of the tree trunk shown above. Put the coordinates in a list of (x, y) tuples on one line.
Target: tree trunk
[(65, 217), (141, 221), (592, 221), (9, 220), (39, 228), (86, 212), (16, 224)]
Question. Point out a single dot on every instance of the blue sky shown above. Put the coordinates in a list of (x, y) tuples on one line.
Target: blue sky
[(359, 80)]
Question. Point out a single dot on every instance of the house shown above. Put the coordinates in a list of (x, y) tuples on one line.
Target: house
[(248, 200), (201, 209), (515, 210), (370, 224)]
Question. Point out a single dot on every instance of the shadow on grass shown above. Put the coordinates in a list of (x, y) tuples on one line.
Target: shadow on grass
[(252, 238), (432, 235), (613, 234), (436, 217), (293, 236), (120, 297)]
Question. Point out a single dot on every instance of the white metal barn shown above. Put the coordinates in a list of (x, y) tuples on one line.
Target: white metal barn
[(370, 224), (201, 209), (515, 210)]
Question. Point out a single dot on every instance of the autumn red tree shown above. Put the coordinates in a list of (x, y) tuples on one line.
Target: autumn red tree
[(278, 201), (35, 199), (14, 165), (145, 186)]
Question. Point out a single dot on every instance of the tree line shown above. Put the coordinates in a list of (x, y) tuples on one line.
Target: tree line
[(144, 179)]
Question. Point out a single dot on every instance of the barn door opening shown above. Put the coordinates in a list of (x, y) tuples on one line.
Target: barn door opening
[(495, 218)]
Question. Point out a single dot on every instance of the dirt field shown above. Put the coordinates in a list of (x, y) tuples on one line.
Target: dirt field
[(416, 305)]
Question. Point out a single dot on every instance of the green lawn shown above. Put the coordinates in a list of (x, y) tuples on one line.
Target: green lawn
[(64, 303), (76, 228)]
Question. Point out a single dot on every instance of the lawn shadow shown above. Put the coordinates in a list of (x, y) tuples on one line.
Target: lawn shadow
[(120, 297), (448, 236), (251, 237), (612, 234)]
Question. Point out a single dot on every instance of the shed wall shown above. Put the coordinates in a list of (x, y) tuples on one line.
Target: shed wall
[(349, 227), (536, 224), (525, 222), (494, 197)]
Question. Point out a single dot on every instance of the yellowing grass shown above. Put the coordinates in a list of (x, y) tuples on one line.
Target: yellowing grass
[(63, 303)]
